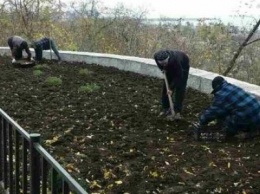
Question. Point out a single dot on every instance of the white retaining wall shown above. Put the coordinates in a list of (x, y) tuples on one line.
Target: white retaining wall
[(198, 79)]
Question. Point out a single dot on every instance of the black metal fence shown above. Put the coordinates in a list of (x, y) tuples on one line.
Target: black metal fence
[(26, 167)]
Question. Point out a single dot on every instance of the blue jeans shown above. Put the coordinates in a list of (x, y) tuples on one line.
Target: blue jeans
[(39, 49), (233, 125)]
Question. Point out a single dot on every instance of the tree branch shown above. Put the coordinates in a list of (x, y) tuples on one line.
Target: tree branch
[(252, 41), (244, 44)]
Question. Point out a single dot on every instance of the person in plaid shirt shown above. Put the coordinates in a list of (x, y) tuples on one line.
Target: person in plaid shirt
[(239, 110), (44, 44)]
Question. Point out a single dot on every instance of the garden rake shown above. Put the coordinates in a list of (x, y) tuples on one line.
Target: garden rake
[(170, 117)]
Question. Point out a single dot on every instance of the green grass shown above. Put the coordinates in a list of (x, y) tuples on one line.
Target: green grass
[(41, 67), (37, 72), (85, 71), (54, 81), (89, 88)]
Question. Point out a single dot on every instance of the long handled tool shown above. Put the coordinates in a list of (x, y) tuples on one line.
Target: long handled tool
[(50, 36), (169, 96)]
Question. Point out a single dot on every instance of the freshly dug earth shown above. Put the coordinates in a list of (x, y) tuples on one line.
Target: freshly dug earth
[(112, 140)]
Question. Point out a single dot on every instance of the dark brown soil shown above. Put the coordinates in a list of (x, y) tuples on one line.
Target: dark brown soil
[(112, 140)]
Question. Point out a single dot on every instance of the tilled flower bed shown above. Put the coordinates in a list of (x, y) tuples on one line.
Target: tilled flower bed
[(102, 125)]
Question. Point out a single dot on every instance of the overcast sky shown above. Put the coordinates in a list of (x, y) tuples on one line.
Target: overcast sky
[(190, 8), (193, 8), (226, 10)]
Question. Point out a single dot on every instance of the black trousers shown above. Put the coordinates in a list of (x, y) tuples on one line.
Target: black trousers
[(178, 94)]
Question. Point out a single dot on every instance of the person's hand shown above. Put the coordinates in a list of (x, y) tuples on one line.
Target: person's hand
[(13, 61)]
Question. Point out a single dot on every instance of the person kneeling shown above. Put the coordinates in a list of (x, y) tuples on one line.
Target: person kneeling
[(239, 110)]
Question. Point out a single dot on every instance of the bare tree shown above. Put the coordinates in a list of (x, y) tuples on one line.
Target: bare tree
[(242, 46)]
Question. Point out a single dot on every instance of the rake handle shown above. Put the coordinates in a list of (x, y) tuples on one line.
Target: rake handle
[(169, 96)]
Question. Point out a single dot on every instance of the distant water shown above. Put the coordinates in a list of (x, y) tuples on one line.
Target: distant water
[(247, 22)]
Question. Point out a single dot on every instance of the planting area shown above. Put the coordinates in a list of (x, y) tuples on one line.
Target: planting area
[(102, 125)]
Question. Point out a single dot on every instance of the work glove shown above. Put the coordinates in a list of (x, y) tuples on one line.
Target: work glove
[(13, 61)]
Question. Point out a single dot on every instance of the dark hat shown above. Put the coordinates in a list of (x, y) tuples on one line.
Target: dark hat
[(161, 55), (217, 83)]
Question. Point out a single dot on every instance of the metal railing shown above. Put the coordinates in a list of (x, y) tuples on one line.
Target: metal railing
[(26, 167)]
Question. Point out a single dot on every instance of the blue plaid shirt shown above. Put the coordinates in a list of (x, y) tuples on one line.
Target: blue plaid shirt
[(43, 43), (231, 100)]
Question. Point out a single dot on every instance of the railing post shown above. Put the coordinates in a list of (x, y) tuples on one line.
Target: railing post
[(1, 149), (4, 153), (10, 162), (35, 164)]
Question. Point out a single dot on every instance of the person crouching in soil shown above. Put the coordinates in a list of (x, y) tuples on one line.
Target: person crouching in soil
[(232, 106), (44, 44), (17, 44)]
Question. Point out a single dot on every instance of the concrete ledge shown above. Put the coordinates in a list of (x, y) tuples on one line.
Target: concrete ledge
[(198, 79)]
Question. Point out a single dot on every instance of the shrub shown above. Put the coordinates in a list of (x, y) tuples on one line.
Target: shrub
[(40, 67), (37, 72), (53, 81), (85, 72), (89, 88)]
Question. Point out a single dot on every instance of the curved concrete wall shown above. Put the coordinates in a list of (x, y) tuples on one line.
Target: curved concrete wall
[(198, 79)]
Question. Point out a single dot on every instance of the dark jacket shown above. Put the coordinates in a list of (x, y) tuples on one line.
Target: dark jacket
[(17, 44), (43, 43), (178, 65)]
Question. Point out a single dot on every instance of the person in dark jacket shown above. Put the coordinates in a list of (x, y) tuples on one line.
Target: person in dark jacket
[(44, 44), (239, 110), (176, 65), (17, 44)]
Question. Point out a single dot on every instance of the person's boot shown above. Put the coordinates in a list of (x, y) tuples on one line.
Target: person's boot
[(165, 113), (177, 116)]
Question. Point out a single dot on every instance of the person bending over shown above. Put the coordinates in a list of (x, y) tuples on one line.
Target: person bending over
[(44, 44), (17, 44), (175, 64)]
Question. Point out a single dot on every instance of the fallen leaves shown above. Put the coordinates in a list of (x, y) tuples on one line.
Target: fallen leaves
[(108, 174), (188, 172), (94, 184), (206, 148), (154, 174), (212, 164), (119, 182), (70, 168), (55, 140)]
